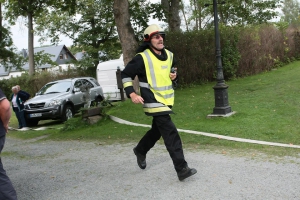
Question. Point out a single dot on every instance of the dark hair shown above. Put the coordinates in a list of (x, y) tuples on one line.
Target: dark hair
[(145, 45)]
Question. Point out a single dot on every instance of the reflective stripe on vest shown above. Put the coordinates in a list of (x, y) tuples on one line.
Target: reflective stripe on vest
[(146, 85), (155, 108), (159, 81)]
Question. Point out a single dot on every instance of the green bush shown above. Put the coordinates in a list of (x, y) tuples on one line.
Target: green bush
[(245, 51)]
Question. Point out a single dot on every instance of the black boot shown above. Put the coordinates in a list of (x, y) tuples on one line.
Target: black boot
[(141, 159), (186, 172)]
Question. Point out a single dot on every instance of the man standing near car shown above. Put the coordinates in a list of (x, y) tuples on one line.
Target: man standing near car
[(154, 66), (7, 190)]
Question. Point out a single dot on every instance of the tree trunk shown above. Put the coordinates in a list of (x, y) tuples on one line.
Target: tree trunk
[(125, 32), (171, 9), (184, 17), (196, 18), (30, 45)]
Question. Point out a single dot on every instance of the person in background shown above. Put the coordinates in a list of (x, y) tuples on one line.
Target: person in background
[(7, 190), (18, 100), (154, 66), (24, 95)]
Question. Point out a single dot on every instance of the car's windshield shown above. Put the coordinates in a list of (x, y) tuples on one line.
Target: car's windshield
[(56, 87)]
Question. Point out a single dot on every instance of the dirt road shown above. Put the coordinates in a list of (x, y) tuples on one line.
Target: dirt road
[(75, 170)]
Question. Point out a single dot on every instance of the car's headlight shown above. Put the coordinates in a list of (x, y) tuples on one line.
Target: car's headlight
[(55, 102)]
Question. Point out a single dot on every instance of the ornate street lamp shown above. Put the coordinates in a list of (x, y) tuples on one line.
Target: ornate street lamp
[(221, 95)]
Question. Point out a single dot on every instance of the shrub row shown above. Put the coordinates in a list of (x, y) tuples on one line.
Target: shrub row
[(245, 51)]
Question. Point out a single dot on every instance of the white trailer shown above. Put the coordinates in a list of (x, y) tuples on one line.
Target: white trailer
[(107, 78)]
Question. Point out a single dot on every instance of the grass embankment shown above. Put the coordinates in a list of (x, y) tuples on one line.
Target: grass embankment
[(267, 108)]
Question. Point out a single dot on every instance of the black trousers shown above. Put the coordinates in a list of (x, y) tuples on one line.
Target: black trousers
[(7, 190), (162, 126)]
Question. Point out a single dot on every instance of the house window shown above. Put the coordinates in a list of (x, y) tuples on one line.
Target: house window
[(66, 56), (61, 56)]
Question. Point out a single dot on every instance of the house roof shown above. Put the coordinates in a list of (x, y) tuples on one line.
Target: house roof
[(52, 50)]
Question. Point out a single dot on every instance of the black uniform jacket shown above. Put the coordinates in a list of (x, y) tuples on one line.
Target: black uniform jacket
[(136, 67)]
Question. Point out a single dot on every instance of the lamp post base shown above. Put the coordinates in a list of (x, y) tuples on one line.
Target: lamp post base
[(221, 100), (222, 110), (220, 115)]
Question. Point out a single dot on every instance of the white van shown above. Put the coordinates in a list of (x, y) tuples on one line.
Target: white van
[(106, 76)]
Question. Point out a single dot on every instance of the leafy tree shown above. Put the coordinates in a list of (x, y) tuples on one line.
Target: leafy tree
[(42, 58), (132, 17), (32, 10), (28, 9), (93, 29), (291, 11), (138, 12), (235, 12), (248, 12), (8, 56), (5, 41), (125, 30), (171, 10), (200, 14)]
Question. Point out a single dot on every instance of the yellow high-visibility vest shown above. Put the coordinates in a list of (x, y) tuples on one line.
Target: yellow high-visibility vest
[(159, 81)]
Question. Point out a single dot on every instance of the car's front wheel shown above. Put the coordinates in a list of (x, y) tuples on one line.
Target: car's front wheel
[(68, 112)]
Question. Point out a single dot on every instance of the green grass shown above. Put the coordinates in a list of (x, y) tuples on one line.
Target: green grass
[(267, 108)]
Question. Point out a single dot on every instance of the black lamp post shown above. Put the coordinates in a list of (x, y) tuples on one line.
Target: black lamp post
[(221, 94)]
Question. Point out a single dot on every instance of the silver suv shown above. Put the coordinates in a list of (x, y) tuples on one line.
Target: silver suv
[(61, 99)]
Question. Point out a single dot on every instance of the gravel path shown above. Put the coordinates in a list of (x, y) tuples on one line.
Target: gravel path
[(74, 170)]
